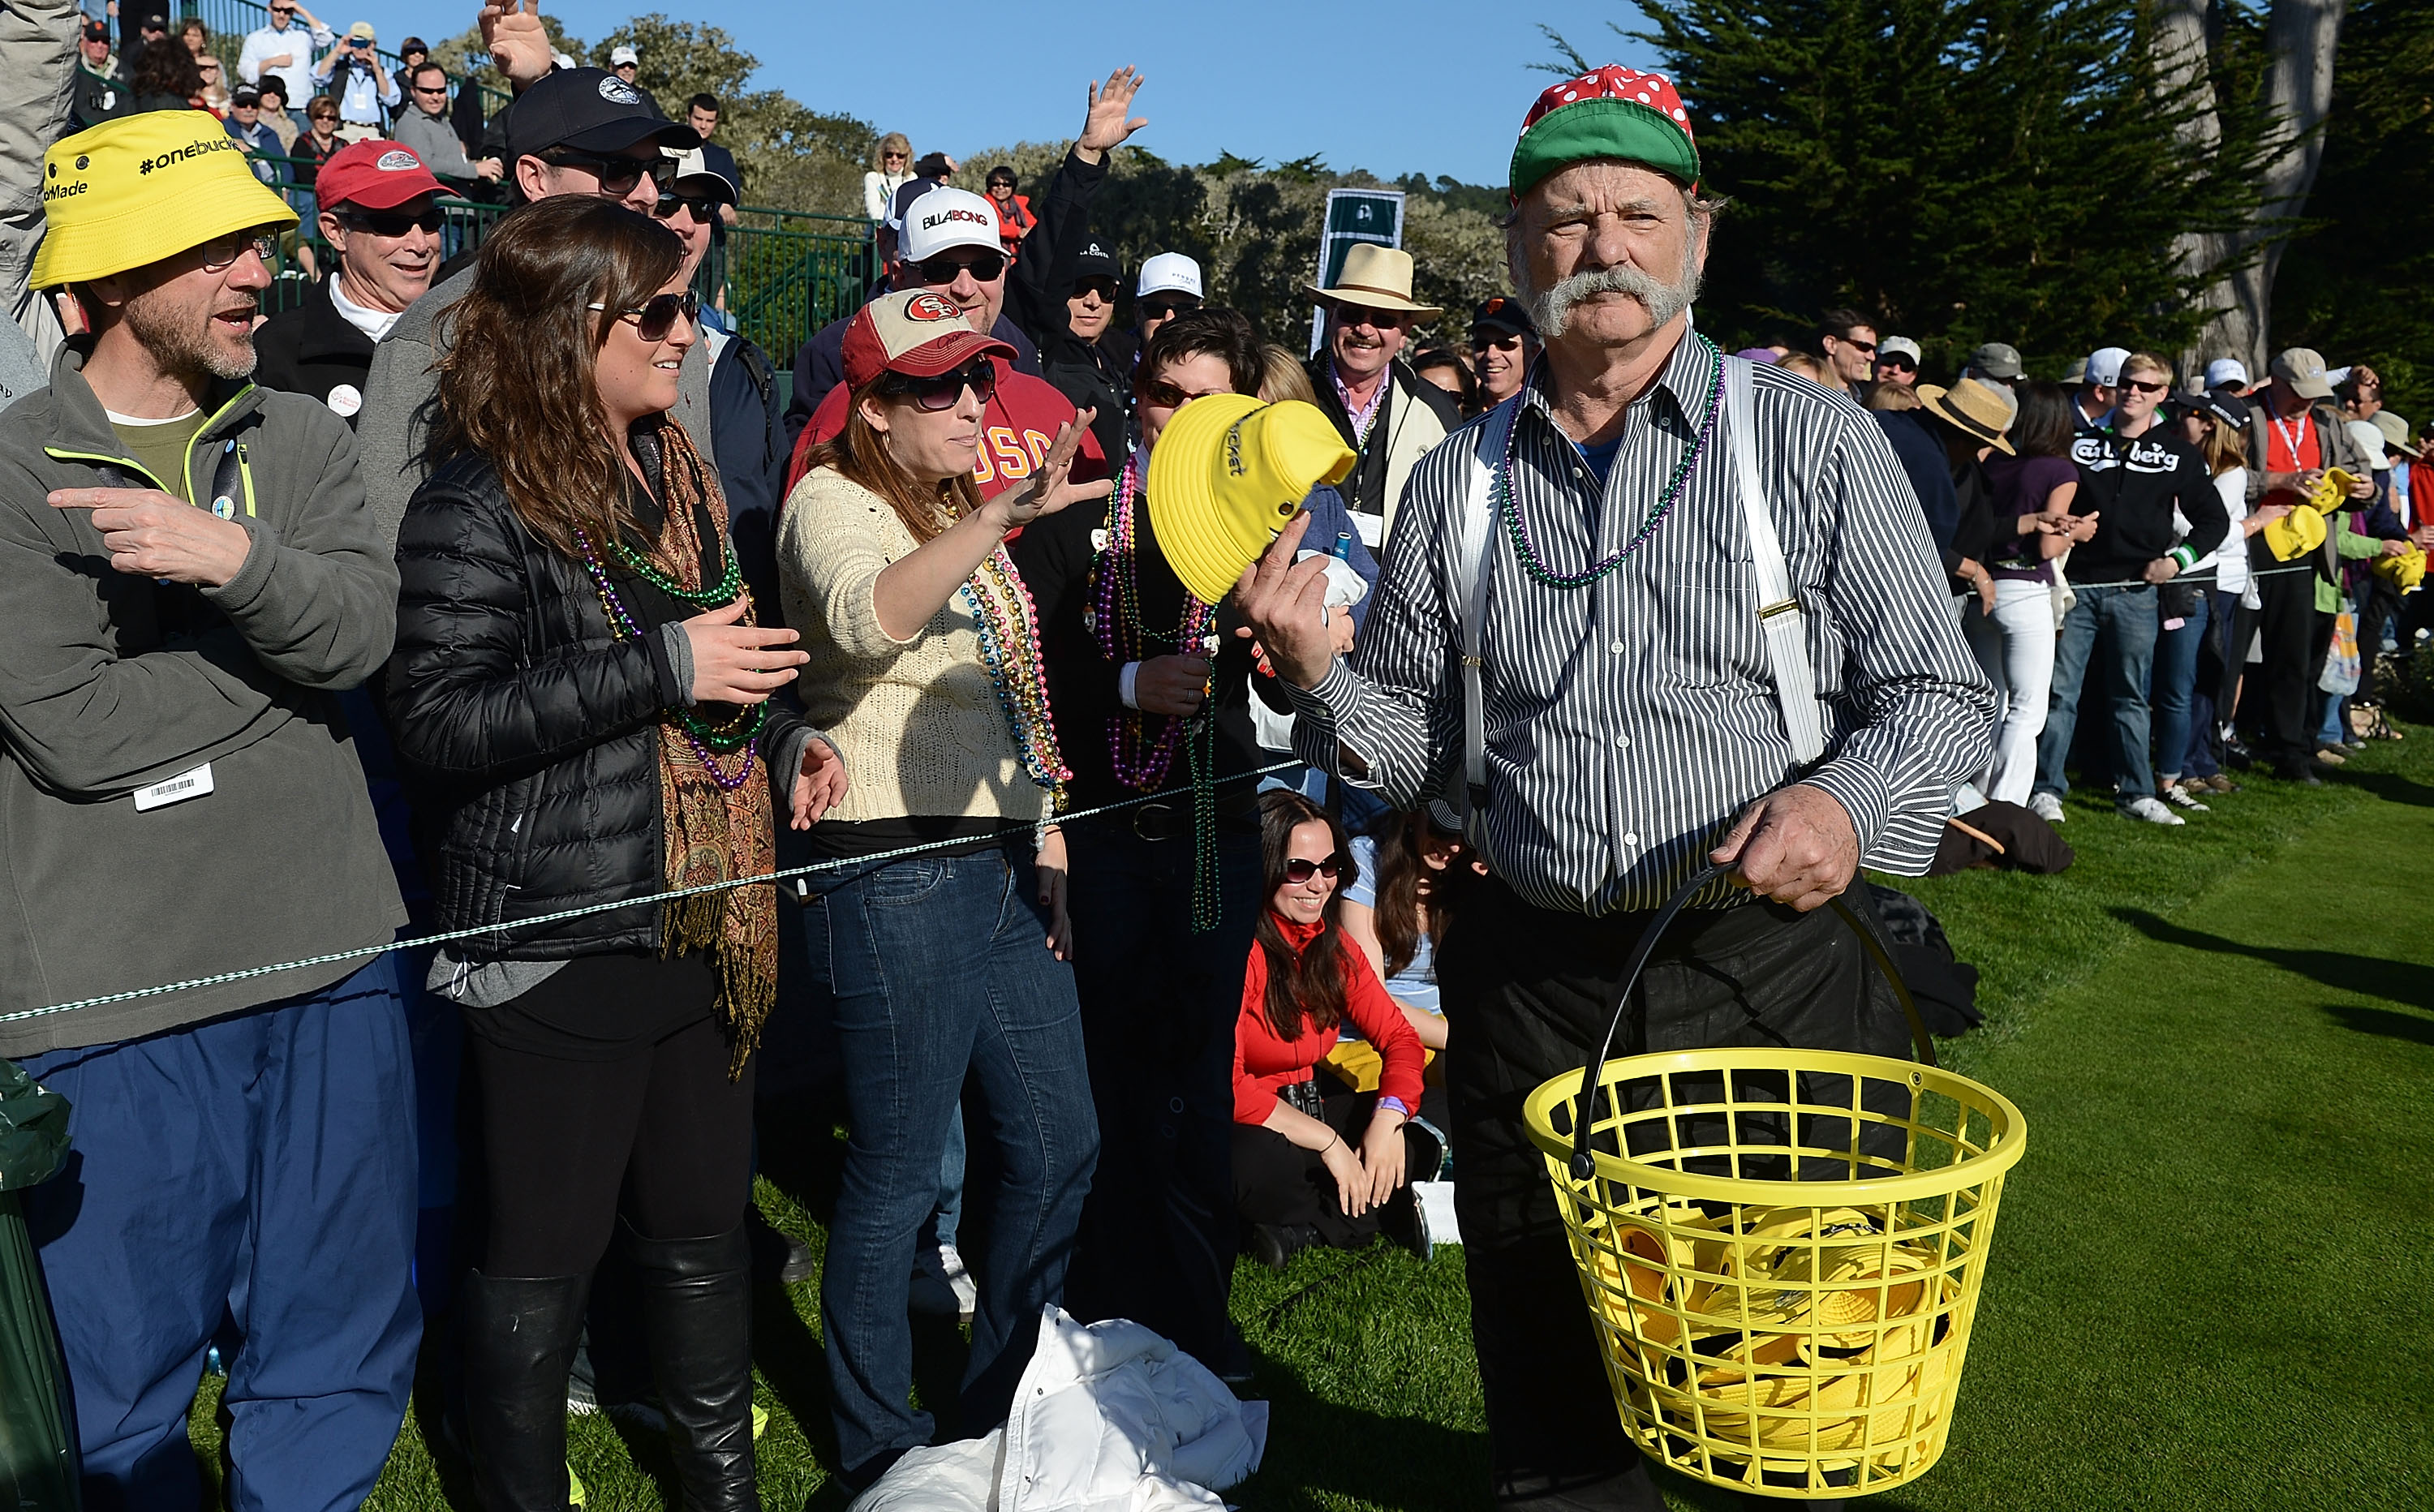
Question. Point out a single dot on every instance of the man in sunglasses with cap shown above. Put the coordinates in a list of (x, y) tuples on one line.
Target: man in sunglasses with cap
[(380, 212), (574, 131), (1503, 344)]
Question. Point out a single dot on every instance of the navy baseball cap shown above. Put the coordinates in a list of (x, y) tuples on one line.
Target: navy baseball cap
[(589, 110)]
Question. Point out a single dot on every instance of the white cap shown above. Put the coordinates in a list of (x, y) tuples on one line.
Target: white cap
[(2104, 365), (622, 54), (1168, 273), (692, 164), (563, 62), (2368, 439), (945, 218), (2226, 372)]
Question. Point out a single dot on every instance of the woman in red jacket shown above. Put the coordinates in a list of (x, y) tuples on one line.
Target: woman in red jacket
[(1299, 1178)]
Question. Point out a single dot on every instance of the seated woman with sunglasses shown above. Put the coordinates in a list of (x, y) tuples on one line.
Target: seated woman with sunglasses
[(947, 965), (1297, 1180), (582, 700)]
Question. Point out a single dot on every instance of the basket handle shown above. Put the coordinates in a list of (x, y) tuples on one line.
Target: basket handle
[(1584, 1166)]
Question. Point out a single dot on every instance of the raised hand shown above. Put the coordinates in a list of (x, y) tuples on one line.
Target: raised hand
[(1050, 486), (1285, 602), (518, 42), (1109, 120)]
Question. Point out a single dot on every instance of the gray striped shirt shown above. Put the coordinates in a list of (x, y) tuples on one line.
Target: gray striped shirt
[(1630, 720)]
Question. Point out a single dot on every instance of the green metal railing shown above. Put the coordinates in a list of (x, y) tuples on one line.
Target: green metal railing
[(784, 273)]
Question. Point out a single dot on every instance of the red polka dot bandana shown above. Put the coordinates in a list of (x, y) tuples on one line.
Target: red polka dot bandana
[(1611, 112)]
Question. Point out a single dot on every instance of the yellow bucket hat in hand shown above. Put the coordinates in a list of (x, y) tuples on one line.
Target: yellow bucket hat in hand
[(128, 192), (2295, 534), (2404, 572), (1228, 473)]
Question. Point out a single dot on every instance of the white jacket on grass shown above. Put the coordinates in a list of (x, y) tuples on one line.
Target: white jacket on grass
[(1109, 1418)]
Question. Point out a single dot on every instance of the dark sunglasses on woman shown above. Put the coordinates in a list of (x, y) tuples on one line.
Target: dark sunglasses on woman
[(656, 316), (1298, 871), (944, 391)]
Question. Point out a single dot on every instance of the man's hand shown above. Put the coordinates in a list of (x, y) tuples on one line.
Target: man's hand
[(1175, 685), (490, 168), (150, 535), (2162, 570), (519, 43), (1286, 604), (2361, 488), (1794, 846), (282, 60), (1108, 121)]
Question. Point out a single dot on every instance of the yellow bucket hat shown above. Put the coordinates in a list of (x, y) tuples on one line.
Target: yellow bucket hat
[(2295, 534), (128, 192), (1228, 473), (2404, 572)]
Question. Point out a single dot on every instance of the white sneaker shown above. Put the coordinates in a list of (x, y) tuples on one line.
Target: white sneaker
[(941, 1285), (2179, 796), (968, 1296), (2151, 810), (2046, 807)]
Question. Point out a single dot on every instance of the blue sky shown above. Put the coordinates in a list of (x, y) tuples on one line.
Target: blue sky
[(1273, 80)]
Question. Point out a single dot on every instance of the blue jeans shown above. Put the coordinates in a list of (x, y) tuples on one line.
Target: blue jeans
[(258, 1168), (943, 982), (2126, 622), (2175, 686)]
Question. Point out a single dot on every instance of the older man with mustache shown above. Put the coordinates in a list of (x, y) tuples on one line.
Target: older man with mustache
[(1637, 715)]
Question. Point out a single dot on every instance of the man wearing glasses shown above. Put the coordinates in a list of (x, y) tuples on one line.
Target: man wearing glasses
[(380, 212), (358, 80), (1504, 342), (1898, 362), (423, 129), (1386, 413), (575, 131), (2132, 475), (285, 51), (1847, 340), (187, 576)]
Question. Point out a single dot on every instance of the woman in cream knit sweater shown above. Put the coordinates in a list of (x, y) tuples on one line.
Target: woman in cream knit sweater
[(948, 966)]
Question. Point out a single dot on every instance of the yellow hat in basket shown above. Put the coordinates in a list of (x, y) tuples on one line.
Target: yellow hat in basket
[(2295, 534), (1228, 474)]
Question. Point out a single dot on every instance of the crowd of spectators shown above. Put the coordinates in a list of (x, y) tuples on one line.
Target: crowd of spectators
[(525, 605)]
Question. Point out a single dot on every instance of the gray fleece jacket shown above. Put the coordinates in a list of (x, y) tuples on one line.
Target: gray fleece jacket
[(397, 399), (110, 684)]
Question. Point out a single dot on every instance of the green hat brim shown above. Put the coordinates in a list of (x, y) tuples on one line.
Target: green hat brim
[(1603, 129)]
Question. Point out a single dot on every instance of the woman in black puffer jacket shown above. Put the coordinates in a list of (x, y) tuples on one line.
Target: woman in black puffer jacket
[(582, 701)]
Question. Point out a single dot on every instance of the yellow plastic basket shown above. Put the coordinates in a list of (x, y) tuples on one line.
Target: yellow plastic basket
[(1782, 1251)]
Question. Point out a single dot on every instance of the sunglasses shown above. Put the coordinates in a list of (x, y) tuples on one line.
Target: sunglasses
[(704, 207), (282, 10), (1898, 360), (945, 391), (2148, 386), (1298, 871), (619, 176), (1001, 184), (1163, 309), (656, 316), (392, 222), (221, 252), (1360, 315), (430, 89), (1499, 341), (1868, 346), (1167, 396), (985, 267), (1104, 286)]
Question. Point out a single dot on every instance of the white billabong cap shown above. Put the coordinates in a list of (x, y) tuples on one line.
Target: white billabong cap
[(2104, 365), (1168, 273), (2226, 372), (945, 218)]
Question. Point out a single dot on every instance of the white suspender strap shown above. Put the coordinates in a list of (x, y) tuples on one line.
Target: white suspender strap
[(1778, 609), (1473, 563)]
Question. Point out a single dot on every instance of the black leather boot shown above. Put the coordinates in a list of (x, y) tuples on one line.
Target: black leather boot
[(518, 1341), (697, 1315)]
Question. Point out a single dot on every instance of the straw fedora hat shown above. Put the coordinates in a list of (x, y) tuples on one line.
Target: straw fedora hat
[(1977, 409), (1376, 277), (1228, 473)]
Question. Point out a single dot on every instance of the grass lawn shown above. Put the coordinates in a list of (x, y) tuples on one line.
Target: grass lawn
[(2210, 1285)]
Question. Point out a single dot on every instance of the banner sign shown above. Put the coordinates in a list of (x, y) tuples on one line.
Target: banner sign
[(1353, 215)]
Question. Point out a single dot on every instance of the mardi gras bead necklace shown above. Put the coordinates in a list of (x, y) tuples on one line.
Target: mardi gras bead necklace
[(1008, 624), (700, 734), (1525, 546), (1140, 759)]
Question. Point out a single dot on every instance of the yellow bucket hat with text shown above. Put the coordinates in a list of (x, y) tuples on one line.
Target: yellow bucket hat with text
[(1231, 471), (132, 191)]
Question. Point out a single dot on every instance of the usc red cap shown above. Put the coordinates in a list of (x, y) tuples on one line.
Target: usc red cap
[(918, 332), (375, 175)]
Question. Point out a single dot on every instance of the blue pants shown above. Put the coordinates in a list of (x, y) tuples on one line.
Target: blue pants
[(943, 982), (2176, 687), (2125, 621), (257, 1170)]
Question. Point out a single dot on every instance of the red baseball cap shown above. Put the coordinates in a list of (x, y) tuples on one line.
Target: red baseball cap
[(374, 174), (917, 333)]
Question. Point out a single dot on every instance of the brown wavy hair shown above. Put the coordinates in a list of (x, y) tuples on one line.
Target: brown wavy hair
[(860, 453), (1305, 985), (1401, 875), (516, 383)]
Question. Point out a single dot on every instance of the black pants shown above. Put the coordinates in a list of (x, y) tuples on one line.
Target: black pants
[(2280, 703), (656, 1132), (1158, 1005), (1528, 993), (1279, 1183), (2378, 614)]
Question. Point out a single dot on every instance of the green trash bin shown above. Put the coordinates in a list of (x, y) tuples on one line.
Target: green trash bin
[(38, 1461)]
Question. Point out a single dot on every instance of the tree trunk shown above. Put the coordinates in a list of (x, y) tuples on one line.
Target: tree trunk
[(2299, 37)]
